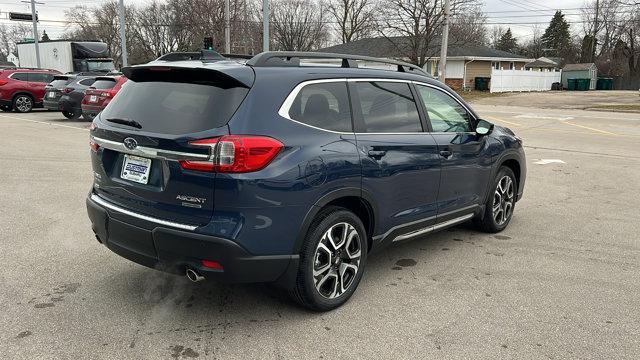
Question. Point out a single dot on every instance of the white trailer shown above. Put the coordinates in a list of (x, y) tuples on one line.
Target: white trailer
[(66, 56)]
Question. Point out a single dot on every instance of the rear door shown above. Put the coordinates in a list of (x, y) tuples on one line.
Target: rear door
[(145, 131), (400, 161), (466, 160), (37, 82)]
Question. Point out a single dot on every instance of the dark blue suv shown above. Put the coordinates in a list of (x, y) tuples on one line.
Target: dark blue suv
[(291, 168)]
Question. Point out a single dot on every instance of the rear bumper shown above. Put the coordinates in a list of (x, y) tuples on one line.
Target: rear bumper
[(50, 104), (174, 250), (91, 109)]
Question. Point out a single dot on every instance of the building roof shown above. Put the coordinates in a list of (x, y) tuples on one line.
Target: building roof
[(542, 62), (390, 48), (578, 67)]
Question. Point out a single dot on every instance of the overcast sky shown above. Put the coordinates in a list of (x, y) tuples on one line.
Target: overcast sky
[(519, 15)]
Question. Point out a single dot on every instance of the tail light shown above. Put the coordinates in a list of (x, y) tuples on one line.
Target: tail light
[(67, 90), (93, 145), (235, 154), (108, 94)]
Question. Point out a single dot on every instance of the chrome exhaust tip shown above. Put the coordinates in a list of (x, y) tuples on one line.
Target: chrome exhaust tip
[(194, 276)]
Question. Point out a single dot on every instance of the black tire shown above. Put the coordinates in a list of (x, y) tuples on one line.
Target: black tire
[(305, 291), (23, 103), (71, 114), (496, 218), (88, 117), (6, 108)]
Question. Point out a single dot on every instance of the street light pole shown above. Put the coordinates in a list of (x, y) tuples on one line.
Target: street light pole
[(35, 31), (265, 25), (445, 43), (227, 28), (123, 37)]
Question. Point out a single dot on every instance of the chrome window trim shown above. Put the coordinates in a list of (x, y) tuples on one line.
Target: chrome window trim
[(435, 227), (288, 101), (150, 152), (113, 207), (286, 105)]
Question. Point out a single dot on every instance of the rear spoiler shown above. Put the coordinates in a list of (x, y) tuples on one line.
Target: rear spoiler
[(225, 77)]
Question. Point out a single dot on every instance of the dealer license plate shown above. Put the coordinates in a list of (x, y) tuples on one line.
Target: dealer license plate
[(135, 168)]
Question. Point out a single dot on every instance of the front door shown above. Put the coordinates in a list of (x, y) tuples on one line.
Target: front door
[(400, 161), (465, 156)]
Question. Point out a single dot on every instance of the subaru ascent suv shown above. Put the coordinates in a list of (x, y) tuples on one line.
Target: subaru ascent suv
[(291, 168)]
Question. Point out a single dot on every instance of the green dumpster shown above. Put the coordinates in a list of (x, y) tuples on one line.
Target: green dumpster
[(572, 84), (481, 83), (604, 84), (583, 84)]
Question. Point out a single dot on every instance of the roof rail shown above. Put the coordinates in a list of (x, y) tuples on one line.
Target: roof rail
[(292, 58)]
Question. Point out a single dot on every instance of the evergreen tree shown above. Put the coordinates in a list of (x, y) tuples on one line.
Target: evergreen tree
[(558, 38), (45, 37), (507, 42)]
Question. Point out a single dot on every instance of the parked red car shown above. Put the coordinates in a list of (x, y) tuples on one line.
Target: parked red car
[(23, 89), (99, 95)]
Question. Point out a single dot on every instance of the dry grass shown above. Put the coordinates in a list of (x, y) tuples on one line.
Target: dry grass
[(617, 107), (473, 95)]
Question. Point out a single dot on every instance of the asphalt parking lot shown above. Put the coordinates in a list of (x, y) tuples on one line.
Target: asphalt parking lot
[(563, 281)]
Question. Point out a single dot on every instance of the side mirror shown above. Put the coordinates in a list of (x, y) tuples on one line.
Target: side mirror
[(484, 127)]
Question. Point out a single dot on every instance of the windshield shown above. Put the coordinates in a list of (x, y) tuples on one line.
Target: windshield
[(100, 66), (175, 108)]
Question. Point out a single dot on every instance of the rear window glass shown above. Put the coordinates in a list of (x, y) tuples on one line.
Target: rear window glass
[(59, 83), (175, 108), (20, 76), (104, 84), (323, 105)]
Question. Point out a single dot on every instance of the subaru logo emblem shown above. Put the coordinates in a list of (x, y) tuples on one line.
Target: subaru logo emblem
[(130, 143)]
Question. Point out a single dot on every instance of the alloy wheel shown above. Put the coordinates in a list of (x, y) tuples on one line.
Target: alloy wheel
[(336, 260), (23, 104), (503, 199)]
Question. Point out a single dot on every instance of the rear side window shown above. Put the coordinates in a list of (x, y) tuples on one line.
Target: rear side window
[(387, 107), (40, 77), (174, 108), (323, 105), (20, 76), (104, 84)]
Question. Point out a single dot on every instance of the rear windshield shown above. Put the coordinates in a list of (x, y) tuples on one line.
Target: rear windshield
[(104, 84), (59, 83), (175, 108)]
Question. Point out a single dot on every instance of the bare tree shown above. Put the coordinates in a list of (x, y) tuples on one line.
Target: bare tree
[(355, 18), (468, 26), (9, 36), (495, 35), (298, 25), (414, 27)]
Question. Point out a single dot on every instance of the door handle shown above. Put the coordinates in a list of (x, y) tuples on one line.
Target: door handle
[(376, 154), (446, 154)]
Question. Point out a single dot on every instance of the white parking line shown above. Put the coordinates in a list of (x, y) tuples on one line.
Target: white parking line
[(43, 122)]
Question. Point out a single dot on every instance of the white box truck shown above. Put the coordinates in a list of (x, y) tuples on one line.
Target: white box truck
[(67, 56)]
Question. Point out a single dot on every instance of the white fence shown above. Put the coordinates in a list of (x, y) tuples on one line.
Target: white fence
[(523, 80)]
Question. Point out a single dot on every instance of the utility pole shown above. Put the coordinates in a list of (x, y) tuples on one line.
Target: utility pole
[(34, 20), (445, 43), (594, 41), (265, 25), (227, 30), (123, 37)]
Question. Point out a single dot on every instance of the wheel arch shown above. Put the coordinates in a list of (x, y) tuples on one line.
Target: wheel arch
[(354, 199)]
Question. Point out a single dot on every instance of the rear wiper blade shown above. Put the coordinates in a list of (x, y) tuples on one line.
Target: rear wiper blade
[(127, 122)]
